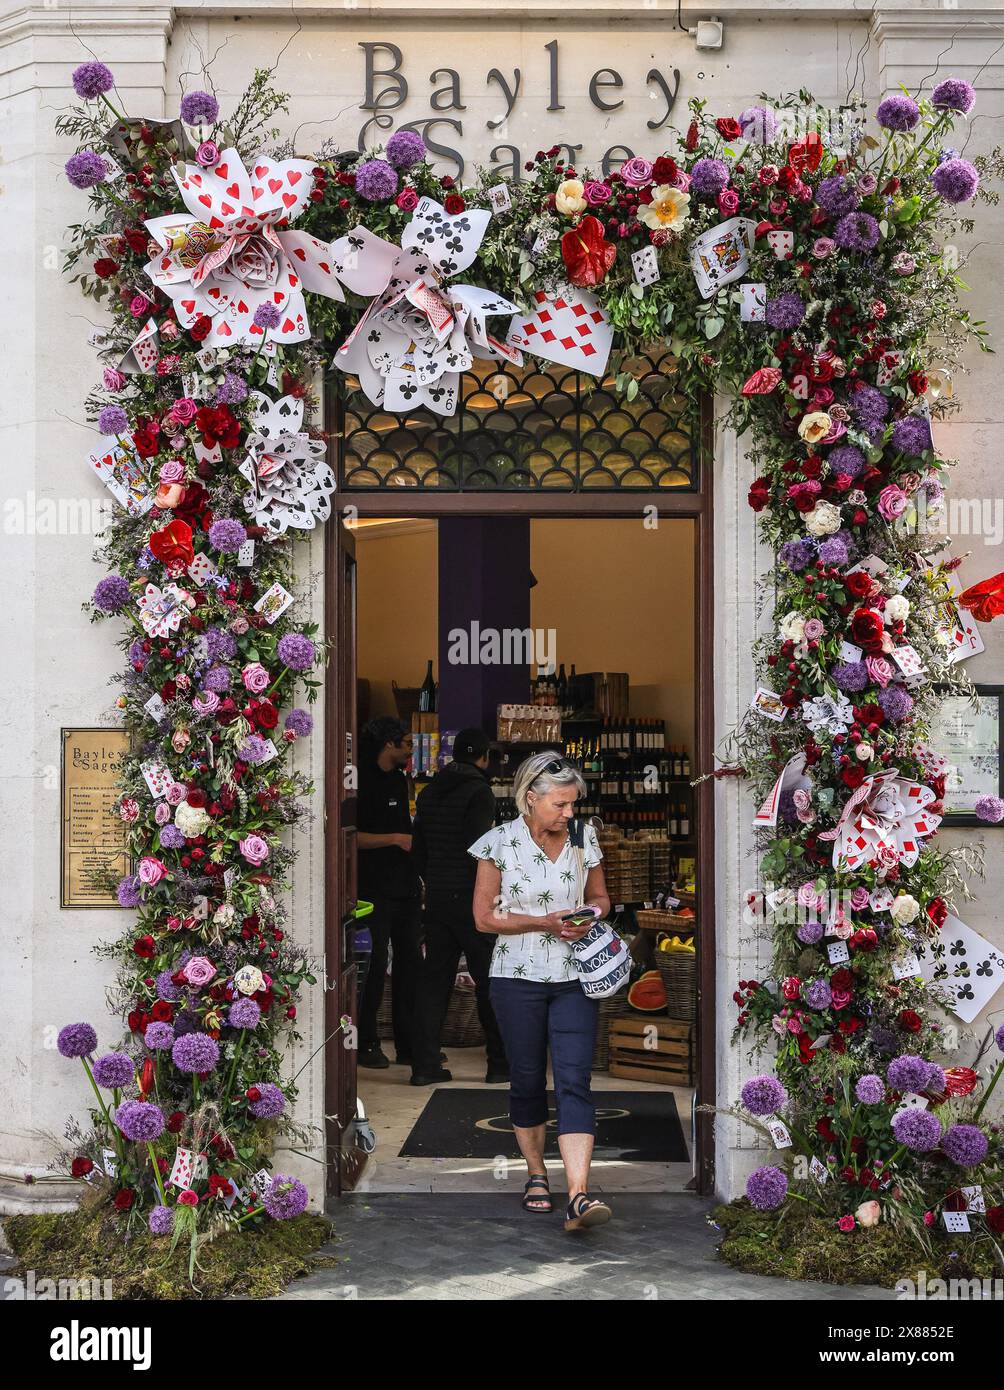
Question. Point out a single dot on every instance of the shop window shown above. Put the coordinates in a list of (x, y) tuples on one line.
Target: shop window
[(526, 428)]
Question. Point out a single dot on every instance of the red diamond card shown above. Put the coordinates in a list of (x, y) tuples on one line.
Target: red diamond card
[(569, 328)]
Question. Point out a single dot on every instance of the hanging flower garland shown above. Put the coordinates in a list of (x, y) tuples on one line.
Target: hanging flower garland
[(802, 277)]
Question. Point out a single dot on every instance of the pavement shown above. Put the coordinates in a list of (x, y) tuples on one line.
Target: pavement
[(474, 1246)]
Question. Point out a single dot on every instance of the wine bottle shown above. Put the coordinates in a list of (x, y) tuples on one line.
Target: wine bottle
[(427, 694)]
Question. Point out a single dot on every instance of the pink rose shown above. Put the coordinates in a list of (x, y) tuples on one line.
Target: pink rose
[(808, 895), (407, 200), (207, 703), (113, 380), (595, 193), (139, 306), (182, 681), (169, 330), (859, 899), (636, 172), (151, 870), (879, 670), (175, 794), (840, 998), (728, 202), (867, 185), (182, 412), (129, 810), (208, 154), (180, 740), (682, 181), (892, 502), (778, 206), (910, 482), (172, 471), (768, 174), (198, 971), (162, 814), (254, 849), (822, 247), (813, 630), (239, 625), (256, 679)]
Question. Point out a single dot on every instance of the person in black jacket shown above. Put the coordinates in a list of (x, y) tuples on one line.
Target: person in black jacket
[(454, 810)]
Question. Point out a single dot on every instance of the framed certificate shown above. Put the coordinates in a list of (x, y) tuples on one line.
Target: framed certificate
[(93, 841), (967, 734)]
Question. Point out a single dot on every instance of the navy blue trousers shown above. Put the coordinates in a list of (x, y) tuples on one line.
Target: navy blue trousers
[(532, 1017)]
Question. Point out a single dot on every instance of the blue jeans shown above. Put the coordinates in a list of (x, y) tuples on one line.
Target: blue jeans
[(532, 1016)]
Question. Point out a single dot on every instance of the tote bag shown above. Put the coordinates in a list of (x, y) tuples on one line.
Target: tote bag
[(601, 957)]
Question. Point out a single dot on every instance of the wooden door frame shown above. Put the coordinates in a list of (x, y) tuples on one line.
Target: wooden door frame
[(695, 505)]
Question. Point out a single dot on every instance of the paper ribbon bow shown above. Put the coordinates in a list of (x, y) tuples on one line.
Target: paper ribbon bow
[(161, 610), (886, 812), (228, 255), (419, 333)]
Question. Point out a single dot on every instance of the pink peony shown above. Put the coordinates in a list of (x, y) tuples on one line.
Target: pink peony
[(175, 794), (162, 814), (254, 849), (151, 870), (256, 679)]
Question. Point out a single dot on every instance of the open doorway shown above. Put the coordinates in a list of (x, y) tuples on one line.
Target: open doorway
[(577, 635)]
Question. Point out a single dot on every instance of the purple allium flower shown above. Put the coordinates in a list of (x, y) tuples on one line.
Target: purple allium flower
[(299, 722), (758, 123), (86, 169), (286, 1197), (850, 675), (405, 148), (954, 94), (870, 1089), (199, 108), (296, 651), (128, 891), (159, 1036), (76, 1040), (896, 703), (956, 181), (254, 749), (898, 112), (140, 1120), (837, 196), (114, 1069), (271, 1102), (171, 837), (809, 933), (908, 1073), (965, 1145), (217, 678), (833, 551), (857, 231), (137, 654), (912, 434), (243, 1013), (220, 644), (999, 1038), (763, 1095), (846, 459), (111, 594), (870, 408), (990, 809), (161, 1221), (112, 419), (796, 555), (883, 1039), (227, 534), (818, 995), (785, 311), (917, 1129), (232, 390), (167, 989), (767, 1188), (195, 1052), (376, 180), (936, 1080), (92, 80), (267, 316), (709, 176)]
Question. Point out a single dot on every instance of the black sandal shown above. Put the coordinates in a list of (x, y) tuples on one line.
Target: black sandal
[(584, 1211), (537, 1180)]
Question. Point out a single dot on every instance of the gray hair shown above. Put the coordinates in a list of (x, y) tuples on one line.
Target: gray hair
[(534, 776)]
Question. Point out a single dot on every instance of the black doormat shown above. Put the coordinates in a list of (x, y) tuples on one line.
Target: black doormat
[(473, 1122)]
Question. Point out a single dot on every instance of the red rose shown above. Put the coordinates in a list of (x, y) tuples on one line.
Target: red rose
[(853, 776), (664, 170), (196, 796), (144, 946), (175, 1121), (252, 1094), (218, 426), (105, 268), (859, 583), (869, 713), (454, 203), (124, 1198), (266, 716), (447, 181), (201, 327), (759, 494), (937, 911), (146, 437), (587, 253), (841, 979), (728, 128), (162, 1011), (867, 629), (909, 1021), (137, 240), (134, 1020), (995, 1219), (80, 1167), (690, 143)]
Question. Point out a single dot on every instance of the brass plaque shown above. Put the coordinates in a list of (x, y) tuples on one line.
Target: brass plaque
[(93, 837)]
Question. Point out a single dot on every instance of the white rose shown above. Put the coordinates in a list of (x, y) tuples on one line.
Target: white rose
[(904, 909), (897, 609), (823, 520), (191, 820), (791, 627)]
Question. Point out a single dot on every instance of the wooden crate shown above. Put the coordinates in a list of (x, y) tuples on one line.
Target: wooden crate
[(669, 1063)]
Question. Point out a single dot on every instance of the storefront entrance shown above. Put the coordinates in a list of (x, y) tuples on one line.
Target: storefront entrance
[(607, 570)]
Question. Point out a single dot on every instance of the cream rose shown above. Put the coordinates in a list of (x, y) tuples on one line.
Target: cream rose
[(904, 909), (569, 199), (191, 820), (249, 979), (669, 208), (869, 1213), (791, 627), (814, 426), (897, 609), (823, 520)]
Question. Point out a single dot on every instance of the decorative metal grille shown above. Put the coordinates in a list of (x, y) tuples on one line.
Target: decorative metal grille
[(523, 429)]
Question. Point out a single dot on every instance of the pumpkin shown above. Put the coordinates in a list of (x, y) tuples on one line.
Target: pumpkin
[(648, 994)]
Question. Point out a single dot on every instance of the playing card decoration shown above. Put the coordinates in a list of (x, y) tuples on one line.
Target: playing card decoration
[(792, 779), (568, 328), (722, 254), (420, 333), (965, 965), (122, 472), (292, 482), (883, 823), (828, 714), (161, 610), (143, 352), (231, 252), (188, 1167), (984, 600)]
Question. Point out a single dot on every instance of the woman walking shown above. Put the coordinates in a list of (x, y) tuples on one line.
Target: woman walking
[(530, 879)]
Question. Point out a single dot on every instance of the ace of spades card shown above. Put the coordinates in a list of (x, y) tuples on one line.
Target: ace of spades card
[(963, 963), (572, 331)]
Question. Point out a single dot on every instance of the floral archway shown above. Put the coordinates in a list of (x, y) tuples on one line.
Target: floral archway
[(803, 272)]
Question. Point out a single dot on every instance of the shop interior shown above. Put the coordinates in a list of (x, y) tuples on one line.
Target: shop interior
[(611, 607)]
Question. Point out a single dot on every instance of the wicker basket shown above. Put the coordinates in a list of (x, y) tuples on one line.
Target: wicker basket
[(679, 975), (461, 1026)]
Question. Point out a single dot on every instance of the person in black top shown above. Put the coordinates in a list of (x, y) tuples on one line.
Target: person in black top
[(387, 878), (453, 811)]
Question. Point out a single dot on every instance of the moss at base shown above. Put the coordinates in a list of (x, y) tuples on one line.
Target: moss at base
[(92, 1244), (795, 1244)]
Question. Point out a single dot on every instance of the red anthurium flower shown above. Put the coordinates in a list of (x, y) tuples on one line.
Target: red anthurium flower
[(173, 543), (587, 253)]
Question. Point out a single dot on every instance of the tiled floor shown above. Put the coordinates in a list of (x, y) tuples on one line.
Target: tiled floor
[(393, 1106)]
